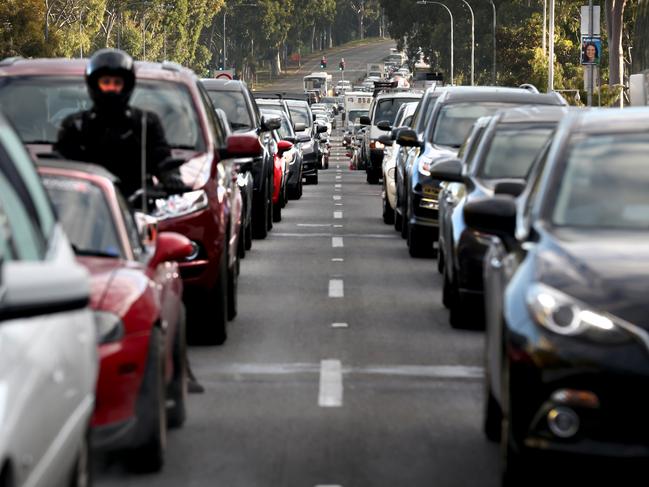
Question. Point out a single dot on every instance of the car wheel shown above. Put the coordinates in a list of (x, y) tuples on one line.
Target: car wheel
[(81, 472), (312, 179), (388, 212), (151, 411), (419, 244), (260, 214), (269, 208), (299, 188), (514, 463), (177, 391), (447, 291), (233, 287), (398, 220), (277, 212), (372, 178), (247, 235), (241, 245), (404, 217), (440, 261)]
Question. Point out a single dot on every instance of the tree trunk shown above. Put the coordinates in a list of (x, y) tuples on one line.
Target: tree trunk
[(331, 37), (615, 22), (313, 39), (276, 63), (361, 14), (640, 40)]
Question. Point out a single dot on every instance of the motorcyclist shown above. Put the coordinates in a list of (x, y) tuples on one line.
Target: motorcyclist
[(114, 134), (323, 61)]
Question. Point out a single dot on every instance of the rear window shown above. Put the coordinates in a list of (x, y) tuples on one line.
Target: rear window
[(387, 109), (36, 106), (300, 114), (233, 103)]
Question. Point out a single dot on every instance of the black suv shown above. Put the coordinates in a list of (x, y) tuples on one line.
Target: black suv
[(235, 99)]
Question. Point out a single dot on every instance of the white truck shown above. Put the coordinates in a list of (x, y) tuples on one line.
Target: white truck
[(639, 89), (357, 104)]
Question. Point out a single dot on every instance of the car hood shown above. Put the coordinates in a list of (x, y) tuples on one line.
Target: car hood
[(608, 270), (115, 284)]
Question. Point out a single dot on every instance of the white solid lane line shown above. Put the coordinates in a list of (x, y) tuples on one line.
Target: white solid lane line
[(338, 214), (336, 288), (331, 384), (337, 242)]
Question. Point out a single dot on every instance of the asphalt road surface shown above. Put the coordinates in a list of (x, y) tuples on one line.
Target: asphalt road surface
[(340, 369)]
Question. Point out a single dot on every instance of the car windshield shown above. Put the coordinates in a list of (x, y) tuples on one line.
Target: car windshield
[(354, 115), (512, 152), (455, 121), (37, 106), (233, 103), (605, 183), (387, 109), (85, 216), (300, 114)]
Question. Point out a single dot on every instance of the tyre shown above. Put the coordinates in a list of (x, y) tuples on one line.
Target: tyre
[(260, 215), (404, 220), (326, 166), (233, 287), (151, 411), (209, 312), (419, 244), (447, 291), (440, 261), (398, 221), (247, 235), (299, 189), (241, 245), (514, 462), (372, 178), (458, 315), (81, 475), (277, 212), (388, 212), (177, 389), (312, 179)]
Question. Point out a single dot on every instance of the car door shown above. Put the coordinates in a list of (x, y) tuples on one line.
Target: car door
[(47, 352)]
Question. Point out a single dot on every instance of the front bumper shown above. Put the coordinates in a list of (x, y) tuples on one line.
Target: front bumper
[(542, 363)]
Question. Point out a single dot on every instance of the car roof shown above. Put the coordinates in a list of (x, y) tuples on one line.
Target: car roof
[(212, 84), (519, 96), (610, 120), (399, 94), (78, 167), (536, 114)]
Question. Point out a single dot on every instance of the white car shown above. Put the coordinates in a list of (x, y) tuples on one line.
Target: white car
[(48, 348)]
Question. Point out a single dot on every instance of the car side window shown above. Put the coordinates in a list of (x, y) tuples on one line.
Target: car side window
[(18, 164), (217, 130), (20, 227)]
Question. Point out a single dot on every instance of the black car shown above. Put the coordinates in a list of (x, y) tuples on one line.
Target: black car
[(508, 145), (566, 299), (234, 98), (307, 133), (449, 123)]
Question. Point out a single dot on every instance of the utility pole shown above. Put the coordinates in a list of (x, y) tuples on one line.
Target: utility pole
[(544, 41), (472, 42), (551, 54), (591, 67), (493, 67)]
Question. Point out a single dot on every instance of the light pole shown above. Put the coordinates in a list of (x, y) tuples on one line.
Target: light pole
[(224, 15), (472, 42), (493, 67), (425, 2), (551, 53)]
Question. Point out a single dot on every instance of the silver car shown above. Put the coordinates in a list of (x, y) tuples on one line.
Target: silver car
[(48, 351)]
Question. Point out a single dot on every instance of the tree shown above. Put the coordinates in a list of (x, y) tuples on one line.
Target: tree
[(615, 26)]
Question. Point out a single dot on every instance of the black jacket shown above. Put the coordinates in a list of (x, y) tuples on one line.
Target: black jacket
[(114, 141)]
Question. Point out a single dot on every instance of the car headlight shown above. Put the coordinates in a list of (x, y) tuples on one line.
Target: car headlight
[(180, 204), (564, 315), (109, 327), (424, 165)]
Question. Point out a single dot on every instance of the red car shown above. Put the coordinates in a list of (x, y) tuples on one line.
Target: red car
[(37, 94), (136, 295)]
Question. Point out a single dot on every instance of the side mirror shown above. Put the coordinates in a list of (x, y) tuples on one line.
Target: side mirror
[(322, 129), (244, 145), (365, 120), (171, 247), (37, 288), (386, 140), (394, 133), (284, 145), (408, 138), (384, 125), (511, 188), (291, 139), (299, 127), (314, 117), (303, 138), (147, 227), (270, 123), (449, 170), (496, 215)]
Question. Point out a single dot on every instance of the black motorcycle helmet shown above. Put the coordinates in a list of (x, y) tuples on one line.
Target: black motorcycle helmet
[(111, 62)]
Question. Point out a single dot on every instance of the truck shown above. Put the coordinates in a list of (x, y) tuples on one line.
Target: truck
[(639, 89), (321, 81), (376, 69), (357, 104)]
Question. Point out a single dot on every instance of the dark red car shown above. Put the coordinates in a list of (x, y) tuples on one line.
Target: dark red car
[(136, 295), (38, 94)]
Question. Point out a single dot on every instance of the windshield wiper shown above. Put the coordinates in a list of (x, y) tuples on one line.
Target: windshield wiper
[(93, 253)]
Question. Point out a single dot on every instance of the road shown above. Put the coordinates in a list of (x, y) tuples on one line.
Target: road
[(341, 368)]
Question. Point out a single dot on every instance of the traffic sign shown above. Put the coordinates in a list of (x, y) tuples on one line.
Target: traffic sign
[(225, 74)]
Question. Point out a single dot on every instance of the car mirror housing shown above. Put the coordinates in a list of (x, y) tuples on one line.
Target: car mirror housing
[(384, 125), (299, 127), (365, 120), (284, 145), (303, 138), (495, 215), (386, 140), (408, 138), (171, 247), (322, 129), (511, 188), (449, 170), (270, 123), (243, 145)]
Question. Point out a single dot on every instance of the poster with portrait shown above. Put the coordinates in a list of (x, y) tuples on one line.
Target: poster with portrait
[(591, 50)]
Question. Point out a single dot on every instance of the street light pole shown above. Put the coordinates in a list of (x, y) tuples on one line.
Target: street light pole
[(551, 53), (224, 14), (472, 43), (425, 2), (493, 67)]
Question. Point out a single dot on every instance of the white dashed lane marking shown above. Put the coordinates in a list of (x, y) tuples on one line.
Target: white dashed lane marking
[(336, 288), (331, 384), (338, 214), (337, 242), (339, 325)]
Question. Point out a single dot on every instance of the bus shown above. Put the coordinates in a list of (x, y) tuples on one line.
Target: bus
[(319, 81)]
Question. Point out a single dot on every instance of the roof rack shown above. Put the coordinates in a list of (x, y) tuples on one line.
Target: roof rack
[(171, 66), (10, 60), (384, 86)]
